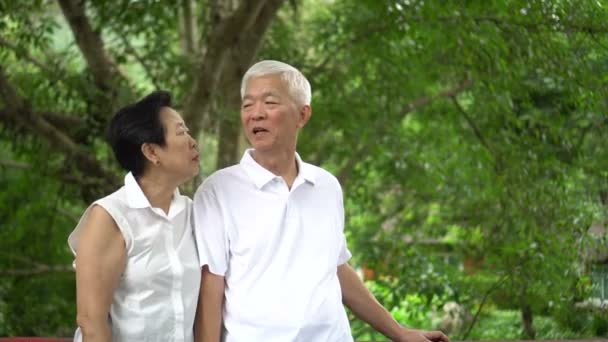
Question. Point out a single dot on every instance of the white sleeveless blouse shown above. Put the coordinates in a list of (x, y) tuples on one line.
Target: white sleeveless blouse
[(157, 294)]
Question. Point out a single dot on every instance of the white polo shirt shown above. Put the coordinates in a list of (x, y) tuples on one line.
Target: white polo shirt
[(278, 250)]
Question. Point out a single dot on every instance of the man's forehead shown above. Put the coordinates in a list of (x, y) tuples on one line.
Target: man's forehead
[(266, 84)]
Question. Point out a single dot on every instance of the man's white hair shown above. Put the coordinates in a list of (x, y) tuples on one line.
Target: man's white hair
[(298, 86)]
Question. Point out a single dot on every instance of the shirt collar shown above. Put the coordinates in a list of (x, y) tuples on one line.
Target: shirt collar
[(262, 176), (136, 198)]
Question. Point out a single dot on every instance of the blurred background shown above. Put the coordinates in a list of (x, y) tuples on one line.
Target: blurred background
[(469, 137)]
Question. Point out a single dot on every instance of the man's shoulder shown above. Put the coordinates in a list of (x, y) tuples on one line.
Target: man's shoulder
[(221, 178), (224, 174), (321, 175)]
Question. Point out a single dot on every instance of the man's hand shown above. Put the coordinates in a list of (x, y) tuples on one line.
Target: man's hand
[(413, 335)]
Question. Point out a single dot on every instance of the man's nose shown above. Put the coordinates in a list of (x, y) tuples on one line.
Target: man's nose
[(258, 111)]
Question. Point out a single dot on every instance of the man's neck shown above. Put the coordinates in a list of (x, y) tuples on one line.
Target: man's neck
[(282, 164)]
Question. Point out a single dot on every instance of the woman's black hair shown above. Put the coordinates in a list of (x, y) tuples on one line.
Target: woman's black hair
[(134, 125)]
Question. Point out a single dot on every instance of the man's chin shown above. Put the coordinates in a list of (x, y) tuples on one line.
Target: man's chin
[(261, 146)]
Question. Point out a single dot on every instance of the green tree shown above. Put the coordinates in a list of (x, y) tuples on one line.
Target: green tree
[(458, 130), (65, 67)]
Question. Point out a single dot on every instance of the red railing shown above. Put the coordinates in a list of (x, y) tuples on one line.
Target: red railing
[(34, 339)]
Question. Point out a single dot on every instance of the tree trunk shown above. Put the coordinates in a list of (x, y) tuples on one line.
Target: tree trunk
[(228, 145), (240, 56), (527, 320)]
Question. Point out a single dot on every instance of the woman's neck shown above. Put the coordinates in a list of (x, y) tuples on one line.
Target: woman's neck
[(158, 191)]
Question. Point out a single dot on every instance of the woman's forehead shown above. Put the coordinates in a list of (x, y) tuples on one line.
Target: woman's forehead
[(169, 114)]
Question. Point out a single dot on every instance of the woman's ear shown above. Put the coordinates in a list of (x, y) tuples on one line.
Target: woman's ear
[(149, 152)]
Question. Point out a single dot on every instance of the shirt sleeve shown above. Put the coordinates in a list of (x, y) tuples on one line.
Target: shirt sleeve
[(345, 254), (114, 211), (210, 230)]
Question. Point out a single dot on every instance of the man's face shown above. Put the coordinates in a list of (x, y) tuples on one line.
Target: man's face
[(270, 116)]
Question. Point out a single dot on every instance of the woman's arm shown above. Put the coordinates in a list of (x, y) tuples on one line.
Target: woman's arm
[(100, 260)]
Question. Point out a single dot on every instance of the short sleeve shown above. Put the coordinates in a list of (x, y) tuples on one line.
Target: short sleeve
[(210, 231), (345, 254), (122, 224)]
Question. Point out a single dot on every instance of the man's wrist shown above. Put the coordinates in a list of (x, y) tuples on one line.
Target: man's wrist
[(398, 332)]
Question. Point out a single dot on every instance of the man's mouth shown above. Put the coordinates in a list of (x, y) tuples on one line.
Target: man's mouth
[(257, 130)]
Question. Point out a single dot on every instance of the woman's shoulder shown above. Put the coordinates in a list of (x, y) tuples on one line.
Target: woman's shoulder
[(98, 223), (116, 199)]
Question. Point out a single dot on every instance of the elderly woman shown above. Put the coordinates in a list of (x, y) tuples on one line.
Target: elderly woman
[(137, 272)]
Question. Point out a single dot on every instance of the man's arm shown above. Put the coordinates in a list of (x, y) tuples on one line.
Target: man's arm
[(208, 323), (365, 306)]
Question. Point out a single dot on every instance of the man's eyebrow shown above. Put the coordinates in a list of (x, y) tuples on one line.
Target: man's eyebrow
[(264, 94)]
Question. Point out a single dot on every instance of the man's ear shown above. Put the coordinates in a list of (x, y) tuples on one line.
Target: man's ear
[(304, 115), (149, 151)]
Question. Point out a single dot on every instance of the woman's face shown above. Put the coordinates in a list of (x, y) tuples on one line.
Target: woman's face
[(180, 155)]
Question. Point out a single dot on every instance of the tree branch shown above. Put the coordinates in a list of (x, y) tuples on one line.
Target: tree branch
[(249, 17), (38, 270), (34, 267), (361, 36), (69, 121), (189, 28), (423, 101), (68, 214), (14, 164), (486, 295), (473, 126), (20, 111), (240, 57), (23, 53), (557, 26), (347, 169), (131, 50), (90, 43)]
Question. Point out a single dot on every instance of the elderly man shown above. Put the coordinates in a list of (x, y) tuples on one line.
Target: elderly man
[(270, 233)]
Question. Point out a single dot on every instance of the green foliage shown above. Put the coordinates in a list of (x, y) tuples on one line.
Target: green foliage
[(505, 325), (35, 218), (413, 310), (468, 136)]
